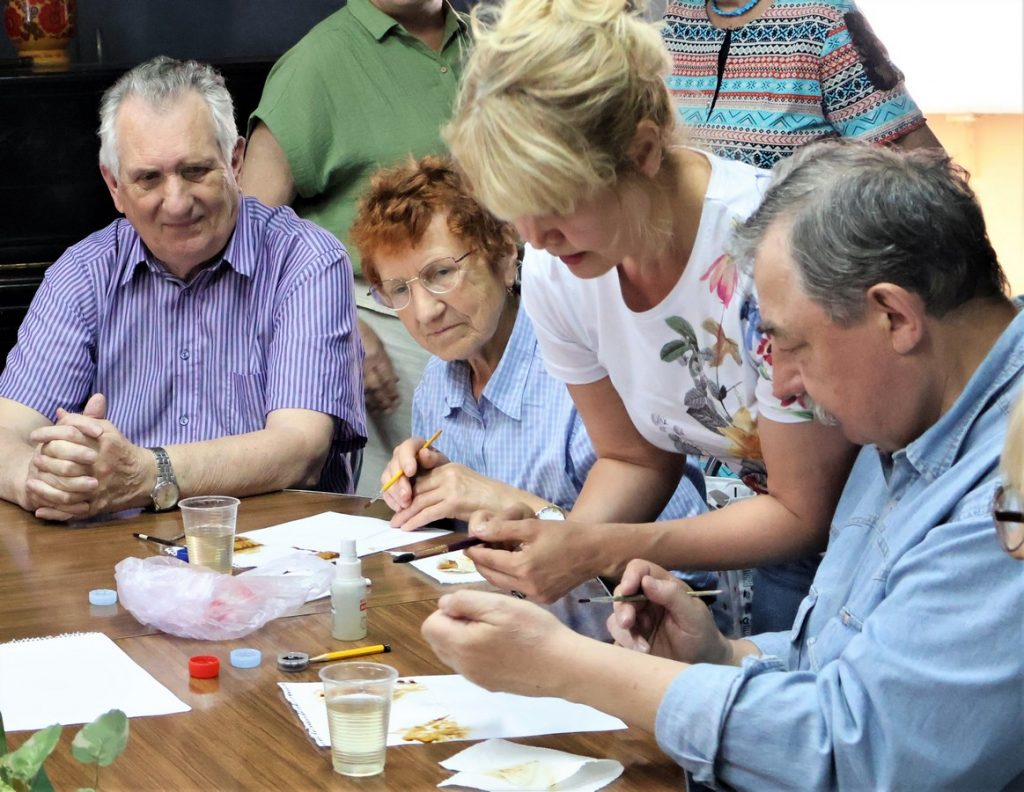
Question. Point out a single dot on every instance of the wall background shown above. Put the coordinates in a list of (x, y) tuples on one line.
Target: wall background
[(131, 31)]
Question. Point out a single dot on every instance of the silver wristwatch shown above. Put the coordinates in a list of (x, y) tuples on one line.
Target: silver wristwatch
[(551, 512), (165, 492)]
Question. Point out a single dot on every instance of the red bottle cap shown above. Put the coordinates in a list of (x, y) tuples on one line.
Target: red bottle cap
[(203, 666)]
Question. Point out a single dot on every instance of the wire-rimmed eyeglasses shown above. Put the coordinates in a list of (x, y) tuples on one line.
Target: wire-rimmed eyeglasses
[(437, 277), (1009, 518)]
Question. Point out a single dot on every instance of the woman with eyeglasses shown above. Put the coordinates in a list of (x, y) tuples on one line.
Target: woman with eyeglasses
[(1009, 506), (511, 433)]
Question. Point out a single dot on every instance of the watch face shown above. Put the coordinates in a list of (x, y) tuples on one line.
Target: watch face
[(165, 495), (551, 513)]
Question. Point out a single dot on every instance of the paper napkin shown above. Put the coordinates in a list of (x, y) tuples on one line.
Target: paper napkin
[(450, 707), (500, 765)]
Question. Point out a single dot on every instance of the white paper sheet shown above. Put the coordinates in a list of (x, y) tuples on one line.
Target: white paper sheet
[(466, 573), (324, 532), (454, 701), (503, 766), (73, 679)]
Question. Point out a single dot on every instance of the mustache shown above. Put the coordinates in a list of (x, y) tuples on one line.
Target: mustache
[(823, 416)]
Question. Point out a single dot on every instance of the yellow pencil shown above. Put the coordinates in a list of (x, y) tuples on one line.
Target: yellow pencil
[(360, 651), (400, 473)]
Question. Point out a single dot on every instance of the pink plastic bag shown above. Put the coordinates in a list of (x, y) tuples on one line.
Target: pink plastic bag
[(195, 602)]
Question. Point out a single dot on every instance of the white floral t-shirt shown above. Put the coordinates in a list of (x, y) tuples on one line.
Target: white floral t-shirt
[(693, 372)]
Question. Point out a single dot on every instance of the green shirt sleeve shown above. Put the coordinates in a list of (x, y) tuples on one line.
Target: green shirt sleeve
[(355, 93)]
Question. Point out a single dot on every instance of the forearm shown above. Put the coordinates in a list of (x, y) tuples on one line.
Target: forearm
[(629, 685), (618, 491), (249, 464), (17, 454), (747, 533), (506, 496)]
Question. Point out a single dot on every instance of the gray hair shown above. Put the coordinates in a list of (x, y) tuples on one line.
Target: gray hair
[(858, 215), (159, 81)]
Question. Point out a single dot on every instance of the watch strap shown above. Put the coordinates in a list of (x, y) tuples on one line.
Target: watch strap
[(164, 474)]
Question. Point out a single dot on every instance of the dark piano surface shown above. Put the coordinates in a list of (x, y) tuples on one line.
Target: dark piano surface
[(51, 193)]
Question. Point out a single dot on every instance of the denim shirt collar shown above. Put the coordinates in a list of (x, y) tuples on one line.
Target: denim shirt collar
[(935, 451)]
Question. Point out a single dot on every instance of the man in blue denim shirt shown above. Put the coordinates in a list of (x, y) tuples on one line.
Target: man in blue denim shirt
[(905, 666)]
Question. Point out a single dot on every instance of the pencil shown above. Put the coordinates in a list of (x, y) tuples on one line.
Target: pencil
[(157, 539), (409, 555), (360, 651), (399, 474), (642, 598)]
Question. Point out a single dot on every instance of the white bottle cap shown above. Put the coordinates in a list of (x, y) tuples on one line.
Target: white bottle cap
[(348, 565)]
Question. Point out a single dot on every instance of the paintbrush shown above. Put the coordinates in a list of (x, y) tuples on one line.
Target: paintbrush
[(642, 598), (409, 555)]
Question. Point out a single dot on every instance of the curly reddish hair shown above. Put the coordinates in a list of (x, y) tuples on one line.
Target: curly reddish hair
[(400, 202)]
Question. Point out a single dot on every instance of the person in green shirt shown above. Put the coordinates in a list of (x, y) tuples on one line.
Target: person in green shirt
[(370, 85)]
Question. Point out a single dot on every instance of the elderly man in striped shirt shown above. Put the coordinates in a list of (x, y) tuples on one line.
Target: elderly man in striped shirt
[(203, 343)]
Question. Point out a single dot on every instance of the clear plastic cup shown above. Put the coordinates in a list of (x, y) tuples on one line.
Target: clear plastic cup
[(358, 699), (209, 522)]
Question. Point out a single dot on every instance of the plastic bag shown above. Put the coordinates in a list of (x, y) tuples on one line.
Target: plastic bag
[(195, 602)]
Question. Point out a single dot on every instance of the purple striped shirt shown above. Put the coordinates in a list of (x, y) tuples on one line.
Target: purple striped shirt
[(270, 326)]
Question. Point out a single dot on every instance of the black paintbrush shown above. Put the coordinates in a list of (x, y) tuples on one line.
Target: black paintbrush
[(409, 555)]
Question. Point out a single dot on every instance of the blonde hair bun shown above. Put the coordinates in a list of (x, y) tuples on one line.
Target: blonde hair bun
[(551, 98)]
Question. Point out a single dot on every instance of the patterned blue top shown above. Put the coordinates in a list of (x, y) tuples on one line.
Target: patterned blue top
[(270, 326), (802, 71), (524, 431), (904, 667)]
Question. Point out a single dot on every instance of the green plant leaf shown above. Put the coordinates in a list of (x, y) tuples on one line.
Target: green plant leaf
[(25, 762), (3, 735), (101, 741)]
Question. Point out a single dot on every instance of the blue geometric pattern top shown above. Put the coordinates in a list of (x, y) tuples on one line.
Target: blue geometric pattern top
[(805, 70)]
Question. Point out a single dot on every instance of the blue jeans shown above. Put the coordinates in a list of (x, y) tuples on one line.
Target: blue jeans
[(778, 592)]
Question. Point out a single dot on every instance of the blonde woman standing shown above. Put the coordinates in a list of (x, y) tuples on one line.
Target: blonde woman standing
[(564, 126)]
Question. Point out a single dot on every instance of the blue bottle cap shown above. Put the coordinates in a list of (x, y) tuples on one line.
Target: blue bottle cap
[(246, 658), (102, 597)]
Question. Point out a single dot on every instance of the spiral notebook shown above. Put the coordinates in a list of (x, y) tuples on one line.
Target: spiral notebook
[(74, 678)]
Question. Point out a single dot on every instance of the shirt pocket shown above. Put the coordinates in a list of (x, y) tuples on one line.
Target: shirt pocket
[(246, 408), (838, 631)]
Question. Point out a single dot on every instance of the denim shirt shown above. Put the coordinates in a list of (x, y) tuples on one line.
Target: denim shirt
[(905, 665)]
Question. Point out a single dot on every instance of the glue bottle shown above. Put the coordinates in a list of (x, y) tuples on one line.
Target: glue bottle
[(348, 596)]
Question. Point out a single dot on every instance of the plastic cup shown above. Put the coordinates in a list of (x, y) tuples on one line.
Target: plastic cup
[(209, 522), (358, 699)]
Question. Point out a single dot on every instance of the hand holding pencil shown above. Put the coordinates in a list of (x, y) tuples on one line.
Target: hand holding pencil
[(399, 464)]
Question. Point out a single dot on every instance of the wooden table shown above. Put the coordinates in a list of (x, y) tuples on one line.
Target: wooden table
[(241, 733)]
